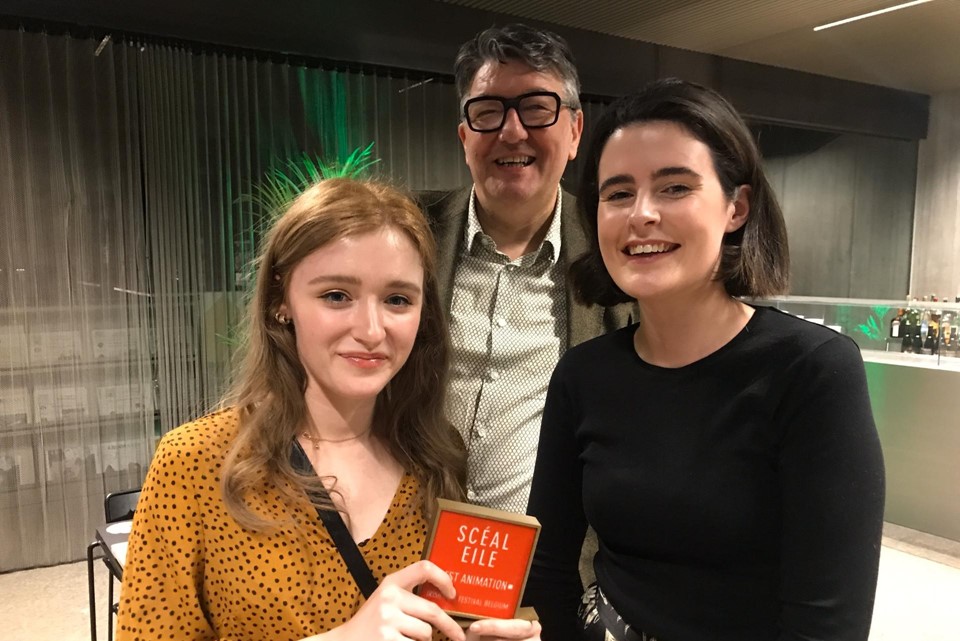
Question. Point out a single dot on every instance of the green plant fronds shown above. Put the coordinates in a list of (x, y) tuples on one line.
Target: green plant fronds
[(289, 178), (359, 162), (881, 310), (232, 338), (872, 329)]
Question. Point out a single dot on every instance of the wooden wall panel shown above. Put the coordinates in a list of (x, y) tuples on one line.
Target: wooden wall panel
[(883, 218), (847, 200), (817, 201), (936, 239), (689, 65)]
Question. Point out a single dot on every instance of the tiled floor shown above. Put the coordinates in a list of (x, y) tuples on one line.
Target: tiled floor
[(918, 597), (51, 604)]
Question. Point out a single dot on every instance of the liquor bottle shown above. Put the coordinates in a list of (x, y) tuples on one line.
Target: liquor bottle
[(946, 324), (895, 324), (925, 313), (906, 330), (919, 334), (906, 344), (935, 315), (955, 331), (930, 342), (909, 326)]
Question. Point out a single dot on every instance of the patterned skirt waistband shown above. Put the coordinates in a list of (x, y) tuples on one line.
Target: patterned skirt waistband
[(602, 623)]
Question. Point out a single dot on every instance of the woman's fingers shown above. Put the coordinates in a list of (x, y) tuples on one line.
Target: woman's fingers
[(412, 615), (423, 572), (504, 630), (413, 627), (423, 616)]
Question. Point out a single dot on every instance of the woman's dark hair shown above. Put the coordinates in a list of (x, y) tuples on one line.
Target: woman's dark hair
[(755, 259)]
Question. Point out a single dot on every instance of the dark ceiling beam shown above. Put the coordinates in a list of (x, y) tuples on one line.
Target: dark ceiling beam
[(423, 35)]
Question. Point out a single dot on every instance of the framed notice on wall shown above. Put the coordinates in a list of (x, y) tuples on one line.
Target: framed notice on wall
[(54, 347), (119, 400), (56, 403), (13, 347), (15, 407), (17, 467), (112, 344), (487, 553)]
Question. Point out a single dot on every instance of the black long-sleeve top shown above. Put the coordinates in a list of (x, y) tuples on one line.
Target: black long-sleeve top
[(737, 498)]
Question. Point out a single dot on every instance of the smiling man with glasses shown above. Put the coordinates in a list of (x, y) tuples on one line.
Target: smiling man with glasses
[(504, 247)]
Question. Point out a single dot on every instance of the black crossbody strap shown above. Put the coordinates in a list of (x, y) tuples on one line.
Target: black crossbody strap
[(332, 520)]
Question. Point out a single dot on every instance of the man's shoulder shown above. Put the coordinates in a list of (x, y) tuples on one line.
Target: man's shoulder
[(569, 202), (440, 204)]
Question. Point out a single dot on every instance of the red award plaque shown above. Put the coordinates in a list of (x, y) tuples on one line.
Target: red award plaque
[(487, 553)]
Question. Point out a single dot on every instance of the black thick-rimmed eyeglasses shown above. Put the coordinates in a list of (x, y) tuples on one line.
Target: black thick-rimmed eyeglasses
[(536, 110)]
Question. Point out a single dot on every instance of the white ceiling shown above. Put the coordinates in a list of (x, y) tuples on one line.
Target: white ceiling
[(917, 48)]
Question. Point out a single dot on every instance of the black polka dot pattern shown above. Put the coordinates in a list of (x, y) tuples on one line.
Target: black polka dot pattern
[(193, 573)]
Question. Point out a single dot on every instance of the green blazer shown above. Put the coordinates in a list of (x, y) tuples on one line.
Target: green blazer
[(447, 213)]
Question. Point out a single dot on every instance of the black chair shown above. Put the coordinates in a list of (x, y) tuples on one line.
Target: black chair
[(118, 506)]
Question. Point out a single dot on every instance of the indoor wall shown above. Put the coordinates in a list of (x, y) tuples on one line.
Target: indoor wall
[(936, 249), (848, 203)]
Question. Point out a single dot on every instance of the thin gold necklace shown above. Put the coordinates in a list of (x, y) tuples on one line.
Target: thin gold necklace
[(317, 440)]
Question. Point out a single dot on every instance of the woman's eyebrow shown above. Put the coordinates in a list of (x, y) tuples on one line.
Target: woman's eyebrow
[(339, 279), (626, 179), (675, 171), (619, 179)]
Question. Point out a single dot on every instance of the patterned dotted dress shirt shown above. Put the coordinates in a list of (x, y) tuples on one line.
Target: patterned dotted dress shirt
[(508, 325)]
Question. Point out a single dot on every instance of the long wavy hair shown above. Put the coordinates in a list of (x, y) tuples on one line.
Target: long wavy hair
[(270, 382)]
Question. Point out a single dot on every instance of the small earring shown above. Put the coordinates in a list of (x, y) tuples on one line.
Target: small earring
[(281, 318)]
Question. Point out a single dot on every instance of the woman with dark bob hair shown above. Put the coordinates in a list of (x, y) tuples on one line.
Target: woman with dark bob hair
[(725, 453)]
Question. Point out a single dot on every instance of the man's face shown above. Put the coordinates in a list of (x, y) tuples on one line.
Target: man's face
[(516, 165)]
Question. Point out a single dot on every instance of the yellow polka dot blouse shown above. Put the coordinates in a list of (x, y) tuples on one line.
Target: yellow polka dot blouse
[(193, 573)]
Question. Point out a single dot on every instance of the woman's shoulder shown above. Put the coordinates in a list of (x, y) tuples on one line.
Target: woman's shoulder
[(791, 340), (189, 458), (609, 344), (209, 436)]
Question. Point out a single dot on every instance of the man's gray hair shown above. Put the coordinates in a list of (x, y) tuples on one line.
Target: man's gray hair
[(537, 48)]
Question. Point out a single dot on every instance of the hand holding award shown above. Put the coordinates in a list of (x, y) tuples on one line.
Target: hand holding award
[(487, 555)]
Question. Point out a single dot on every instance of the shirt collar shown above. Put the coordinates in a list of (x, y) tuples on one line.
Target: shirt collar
[(551, 242)]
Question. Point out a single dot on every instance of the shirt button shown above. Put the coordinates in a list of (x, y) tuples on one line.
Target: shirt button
[(501, 321), (479, 431), (511, 267), (494, 375), (471, 495)]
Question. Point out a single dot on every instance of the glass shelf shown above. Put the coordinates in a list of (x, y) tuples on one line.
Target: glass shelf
[(867, 322)]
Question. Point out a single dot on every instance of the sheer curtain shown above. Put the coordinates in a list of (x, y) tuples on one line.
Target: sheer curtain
[(76, 383), (212, 124), (126, 231)]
